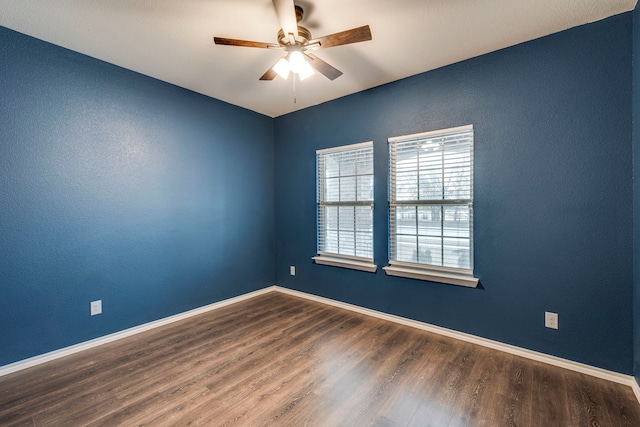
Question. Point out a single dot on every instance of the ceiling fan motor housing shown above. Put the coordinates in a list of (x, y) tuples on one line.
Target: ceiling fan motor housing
[(304, 36)]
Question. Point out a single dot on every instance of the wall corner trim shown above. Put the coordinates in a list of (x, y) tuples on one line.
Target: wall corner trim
[(636, 388)]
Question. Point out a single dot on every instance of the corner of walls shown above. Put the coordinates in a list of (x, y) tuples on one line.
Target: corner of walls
[(636, 190), (274, 248)]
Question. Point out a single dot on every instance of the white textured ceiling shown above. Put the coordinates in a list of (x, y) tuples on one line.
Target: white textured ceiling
[(172, 40)]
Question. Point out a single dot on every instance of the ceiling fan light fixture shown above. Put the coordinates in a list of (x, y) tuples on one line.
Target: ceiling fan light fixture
[(282, 68), (296, 61), (306, 71)]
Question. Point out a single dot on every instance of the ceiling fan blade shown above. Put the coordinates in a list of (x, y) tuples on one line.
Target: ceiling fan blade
[(245, 43), (269, 75), (354, 35), (287, 16), (329, 71)]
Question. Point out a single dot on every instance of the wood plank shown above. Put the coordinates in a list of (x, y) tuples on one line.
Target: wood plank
[(549, 397), (620, 404), (513, 403), (587, 402), (444, 387), (404, 403), (478, 394)]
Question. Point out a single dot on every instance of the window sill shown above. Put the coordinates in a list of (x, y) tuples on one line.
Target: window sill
[(450, 278), (353, 264)]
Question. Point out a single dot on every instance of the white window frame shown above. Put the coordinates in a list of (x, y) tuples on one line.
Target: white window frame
[(337, 259), (423, 271)]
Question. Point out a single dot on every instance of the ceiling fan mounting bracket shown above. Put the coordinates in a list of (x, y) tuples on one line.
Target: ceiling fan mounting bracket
[(299, 13)]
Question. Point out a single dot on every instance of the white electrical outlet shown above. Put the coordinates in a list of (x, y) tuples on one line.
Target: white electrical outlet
[(96, 307), (292, 270), (551, 320)]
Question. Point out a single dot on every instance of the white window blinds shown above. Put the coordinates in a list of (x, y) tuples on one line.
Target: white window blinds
[(431, 199), (345, 201)]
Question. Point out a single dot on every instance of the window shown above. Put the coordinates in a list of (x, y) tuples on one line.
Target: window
[(431, 206), (345, 206)]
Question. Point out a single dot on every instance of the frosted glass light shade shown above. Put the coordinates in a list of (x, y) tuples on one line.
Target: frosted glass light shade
[(306, 71), (282, 68), (296, 61)]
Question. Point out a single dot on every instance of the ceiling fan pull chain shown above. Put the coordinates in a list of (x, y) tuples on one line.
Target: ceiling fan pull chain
[(295, 99)]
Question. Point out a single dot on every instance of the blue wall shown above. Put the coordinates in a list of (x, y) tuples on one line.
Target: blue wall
[(553, 192), (118, 187), (636, 192)]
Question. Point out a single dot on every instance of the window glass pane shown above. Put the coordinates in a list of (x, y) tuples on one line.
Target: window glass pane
[(332, 165), (430, 171), (430, 248), (430, 186), (406, 155), (331, 241), (364, 245), (406, 248), (457, 171), (456, 186), (406, 185), (347, 242), (364, 218), (348, 189), (405, 217), (429, 222), (331, 217), (406, 172), (456, 221), (346, 218), (332, 189), (365, 188), (364, 163), (348, 164), (456, 253)]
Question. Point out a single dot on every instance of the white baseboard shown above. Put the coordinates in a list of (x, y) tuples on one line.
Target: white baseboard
[(56, 354), (496, 345), (507, 348), (636, 388)]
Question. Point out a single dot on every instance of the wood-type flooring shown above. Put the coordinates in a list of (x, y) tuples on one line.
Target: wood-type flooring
[(280, 360)]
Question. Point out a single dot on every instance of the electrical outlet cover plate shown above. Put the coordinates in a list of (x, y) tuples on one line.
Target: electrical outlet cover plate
[(551, 320), (96, 307), (292, 270)]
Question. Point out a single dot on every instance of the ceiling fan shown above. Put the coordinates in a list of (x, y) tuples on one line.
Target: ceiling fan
[(297, 42)]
